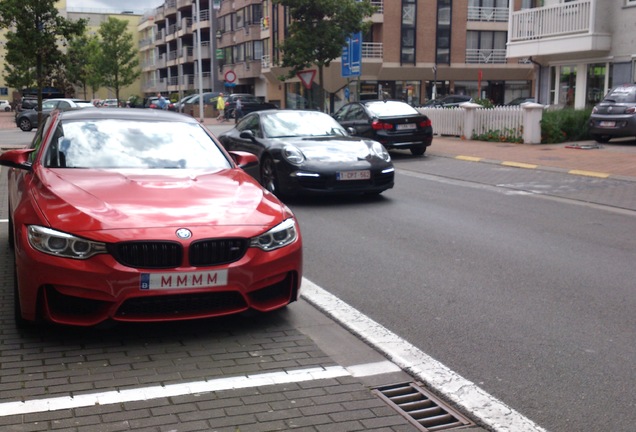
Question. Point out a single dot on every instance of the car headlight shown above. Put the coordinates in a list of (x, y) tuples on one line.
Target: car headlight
[(281, 235), (380, 151), (293, 155), (62, 244)]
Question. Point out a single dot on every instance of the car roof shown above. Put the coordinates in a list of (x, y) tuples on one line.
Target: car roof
[(126, 114)]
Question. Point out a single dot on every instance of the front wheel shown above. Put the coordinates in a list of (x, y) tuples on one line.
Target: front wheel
[(269, 178), (25, 124), (418, 150)]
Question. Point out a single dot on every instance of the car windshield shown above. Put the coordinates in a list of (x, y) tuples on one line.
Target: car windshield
[(390, 108), (249, 99), (300, 123), (134, 144), (626, 94)]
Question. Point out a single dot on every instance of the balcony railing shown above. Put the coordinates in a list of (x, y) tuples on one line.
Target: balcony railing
[(486, 56), (379, 5), (372, 50), (489, 14), (551, 21)]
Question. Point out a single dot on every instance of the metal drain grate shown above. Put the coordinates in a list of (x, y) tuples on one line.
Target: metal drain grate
[(422, 409)]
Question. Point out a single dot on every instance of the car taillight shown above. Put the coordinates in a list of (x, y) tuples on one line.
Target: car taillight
[(426, 123), (378, 125), (630, 110)]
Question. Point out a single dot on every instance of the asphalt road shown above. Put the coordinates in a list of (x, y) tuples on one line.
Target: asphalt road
[(519, 280), (527, 291)]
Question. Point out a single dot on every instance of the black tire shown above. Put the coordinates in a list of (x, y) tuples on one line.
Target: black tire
[(269, 178), (19, 320), (11, 233), (418, 150), (25, 124), (601, 138)]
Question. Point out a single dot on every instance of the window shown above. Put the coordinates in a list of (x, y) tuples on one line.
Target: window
[(486, 47), (443, 34), (407, 48)]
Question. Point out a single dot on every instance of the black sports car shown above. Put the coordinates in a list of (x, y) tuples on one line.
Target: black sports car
[(396, 124), (304, 152)]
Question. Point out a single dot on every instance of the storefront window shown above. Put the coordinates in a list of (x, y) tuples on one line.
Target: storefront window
[(567, 86), (596, 74)]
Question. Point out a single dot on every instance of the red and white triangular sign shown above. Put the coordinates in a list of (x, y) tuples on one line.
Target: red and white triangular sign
[(307, 77)]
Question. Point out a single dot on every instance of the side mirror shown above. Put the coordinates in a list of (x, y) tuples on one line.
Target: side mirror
[(244, 159), (247, 134), (17, 159)]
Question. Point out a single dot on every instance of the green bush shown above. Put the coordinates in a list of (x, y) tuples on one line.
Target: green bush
[(506, 135), (565, 125)]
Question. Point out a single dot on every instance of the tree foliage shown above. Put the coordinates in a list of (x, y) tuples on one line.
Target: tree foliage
[(82, 66), (119, 65), (35, 38), (319, 30)]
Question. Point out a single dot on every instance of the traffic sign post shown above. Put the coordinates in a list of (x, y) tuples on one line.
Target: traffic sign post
[(352, 56)]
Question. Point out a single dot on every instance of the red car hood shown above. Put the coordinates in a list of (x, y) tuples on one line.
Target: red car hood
[(76, 200)]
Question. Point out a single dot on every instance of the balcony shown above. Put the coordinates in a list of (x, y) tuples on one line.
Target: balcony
[(486, 56), (372, 50), (488, 14), (562, 31)]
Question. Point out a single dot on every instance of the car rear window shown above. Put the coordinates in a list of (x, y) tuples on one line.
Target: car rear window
[(390, 108), (622, 94)]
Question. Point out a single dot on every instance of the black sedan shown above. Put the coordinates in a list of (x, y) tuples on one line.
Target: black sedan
[(308, 152), (395, 124)]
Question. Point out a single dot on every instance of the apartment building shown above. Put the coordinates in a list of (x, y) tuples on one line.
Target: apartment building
[(582, 48), (452, 47)]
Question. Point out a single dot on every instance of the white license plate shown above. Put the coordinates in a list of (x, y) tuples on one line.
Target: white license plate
[(408, 126), (607, 124), (182, 280), (353, 175)]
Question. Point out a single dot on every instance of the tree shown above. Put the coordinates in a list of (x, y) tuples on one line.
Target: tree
[(35, 39), (319, 30), (82, 67), (119, 65)]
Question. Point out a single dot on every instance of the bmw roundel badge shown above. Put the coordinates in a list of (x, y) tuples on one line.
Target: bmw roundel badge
[(184, 233)]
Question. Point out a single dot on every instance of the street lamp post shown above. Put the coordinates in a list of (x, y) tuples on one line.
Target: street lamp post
[(199, 62)]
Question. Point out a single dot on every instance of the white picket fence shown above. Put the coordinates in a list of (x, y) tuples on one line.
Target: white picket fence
[(507, 120)]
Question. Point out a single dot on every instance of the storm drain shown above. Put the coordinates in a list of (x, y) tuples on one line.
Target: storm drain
[(422, 409)]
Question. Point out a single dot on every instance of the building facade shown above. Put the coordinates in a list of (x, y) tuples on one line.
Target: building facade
[(581, 48), (412, 52)]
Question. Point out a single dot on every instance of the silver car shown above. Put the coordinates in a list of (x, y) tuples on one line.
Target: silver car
[(615, 115)]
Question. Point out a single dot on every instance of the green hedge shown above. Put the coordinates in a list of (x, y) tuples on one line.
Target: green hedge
[(565, 125)]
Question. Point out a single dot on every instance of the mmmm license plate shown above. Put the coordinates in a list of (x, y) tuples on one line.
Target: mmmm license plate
[(182, 280), (607, 124), (353, 175)]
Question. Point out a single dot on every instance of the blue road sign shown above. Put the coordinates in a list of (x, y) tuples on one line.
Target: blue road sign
[(352, 56)]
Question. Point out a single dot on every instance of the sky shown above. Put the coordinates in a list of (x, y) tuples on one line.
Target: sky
[(118, 5)]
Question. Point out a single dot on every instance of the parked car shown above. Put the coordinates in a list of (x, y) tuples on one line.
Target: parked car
[(249, 103), (110, 103), (308, 152), (28, 119), (151, 102), (5, 105), (191, 105), (449, 101), (26, 103), (395, 124), (178, 106), (615, 115), (521, 100), (142, 216)]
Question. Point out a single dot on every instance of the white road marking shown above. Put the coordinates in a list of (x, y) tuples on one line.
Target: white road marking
[(464, 393), (155, 392)]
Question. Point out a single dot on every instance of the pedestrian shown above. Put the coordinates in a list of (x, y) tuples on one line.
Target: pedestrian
[(220, 106), (161, 102), (238, 111)]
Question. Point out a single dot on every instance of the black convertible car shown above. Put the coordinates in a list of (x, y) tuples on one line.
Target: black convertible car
[(304, 152)]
